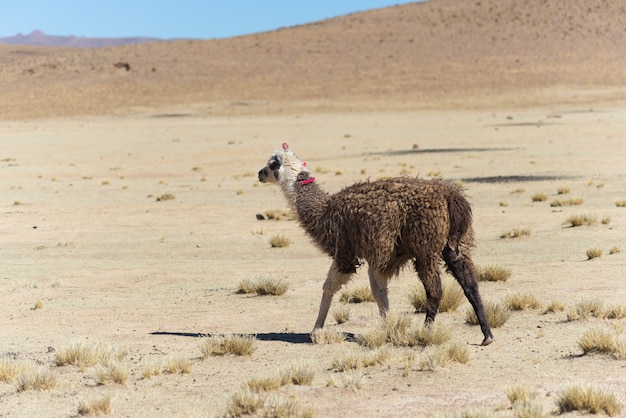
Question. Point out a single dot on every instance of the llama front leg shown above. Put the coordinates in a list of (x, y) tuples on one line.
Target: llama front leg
[(333, 283), (378, 283), (462, 269)]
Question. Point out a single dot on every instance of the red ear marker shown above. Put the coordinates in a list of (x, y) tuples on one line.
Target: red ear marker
[(285, 146)]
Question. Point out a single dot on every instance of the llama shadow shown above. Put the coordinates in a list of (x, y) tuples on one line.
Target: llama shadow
[(286, 337)]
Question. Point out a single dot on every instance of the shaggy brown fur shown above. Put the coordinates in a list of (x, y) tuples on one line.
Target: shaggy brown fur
[(386, 223)]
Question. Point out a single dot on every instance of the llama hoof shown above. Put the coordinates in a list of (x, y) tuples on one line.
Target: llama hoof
[(487, 341)]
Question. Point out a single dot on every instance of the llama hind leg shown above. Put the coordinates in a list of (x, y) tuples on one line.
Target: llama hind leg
[(378, 283), (333, 283), (428, 272), (462, 269)]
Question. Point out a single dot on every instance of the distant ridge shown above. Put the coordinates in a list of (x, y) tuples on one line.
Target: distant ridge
[(432, 54), (38, 38)]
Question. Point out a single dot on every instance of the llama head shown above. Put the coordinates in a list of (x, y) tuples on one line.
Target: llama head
[(282, 168)]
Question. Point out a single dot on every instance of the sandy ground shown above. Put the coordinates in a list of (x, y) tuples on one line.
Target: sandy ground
[(82, 231)]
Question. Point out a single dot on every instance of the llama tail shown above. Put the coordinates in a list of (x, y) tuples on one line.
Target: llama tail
[(460, 214)]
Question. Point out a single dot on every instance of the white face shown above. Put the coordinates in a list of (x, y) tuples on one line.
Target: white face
[(283, 167), (272, 171)]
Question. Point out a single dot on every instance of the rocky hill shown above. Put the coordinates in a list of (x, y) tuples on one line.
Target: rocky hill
[(436, 53)]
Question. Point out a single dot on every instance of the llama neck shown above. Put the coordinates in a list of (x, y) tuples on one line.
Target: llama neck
[(309, 201)]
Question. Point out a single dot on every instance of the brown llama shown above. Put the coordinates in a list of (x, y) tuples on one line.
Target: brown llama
[(387, 223)]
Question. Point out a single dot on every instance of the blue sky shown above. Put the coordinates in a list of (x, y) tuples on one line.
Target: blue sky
[(204, 19)]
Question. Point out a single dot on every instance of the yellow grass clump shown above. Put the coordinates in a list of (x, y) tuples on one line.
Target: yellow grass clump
[(113, 371), (279, 214), (221, 345), (356, 294), (554, 306), (588, 399), (574, 201), (440, 355), (263, 287), (580, 220), (280, 241), (100, 406), (175, 365), (515, 233), (521, 301), (595, 308), (603, 340), (10, 369), (563, 190), (539, 197), (341, 314), (404, 330), (493, 273), (620, 203), (35, 378), (497, 314), (359, 357), (452, 296), (88, 353), (327, 336), (593, 252)]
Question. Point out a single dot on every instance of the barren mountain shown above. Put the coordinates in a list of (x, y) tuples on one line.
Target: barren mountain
[(38, 38), (439, 52)]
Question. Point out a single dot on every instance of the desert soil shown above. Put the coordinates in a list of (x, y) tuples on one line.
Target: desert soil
[(83, 232)]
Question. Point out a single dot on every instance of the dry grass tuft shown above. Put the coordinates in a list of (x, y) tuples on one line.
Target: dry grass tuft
[(588, 399), (89, 353), (515, 233), (280, 407), (404, 330), (539, 197), (245, 402), (614, 250), (620, 203), (176, 365), (153, 369), (497, 314), (359, 357), (264, 384), (263, 287), (615, 312), (327, 336), (593, 252), (297, 375), (520, 393), (580, 220), (341, 314), (10, 369), (101, 406), (33, 378), (563, 190), (573, 201), (221, 345), (595, 308), (554, 306), (278, 214), (440, 355), (113, 371), (493, 273), (603, 340), (451, 299), (164, 197), (356, 294), (522, 301), (280, 241)]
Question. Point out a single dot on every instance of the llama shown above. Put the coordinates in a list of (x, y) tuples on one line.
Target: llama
[(386, 223)]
